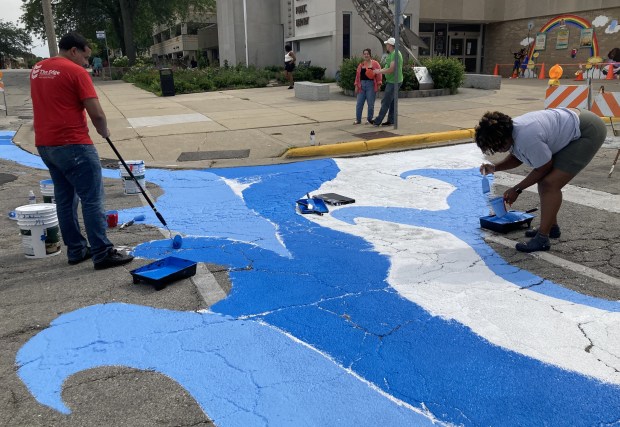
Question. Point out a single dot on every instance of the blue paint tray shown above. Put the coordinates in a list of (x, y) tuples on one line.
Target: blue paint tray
[(164, 271), (312, 205), (512, 220)]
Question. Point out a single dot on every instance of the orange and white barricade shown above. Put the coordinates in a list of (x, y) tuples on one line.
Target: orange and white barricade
[(567, 96), (606, 104)]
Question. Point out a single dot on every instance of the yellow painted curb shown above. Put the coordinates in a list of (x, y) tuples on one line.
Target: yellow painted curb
[(378, 144), (327, 150)]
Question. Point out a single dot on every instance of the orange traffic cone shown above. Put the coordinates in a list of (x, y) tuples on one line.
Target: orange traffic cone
[(496, 70), (541, 73), (610, 72)]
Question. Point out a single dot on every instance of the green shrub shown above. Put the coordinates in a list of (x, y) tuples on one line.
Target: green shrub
[(410, 81), (347, 71), (199, 80), (447, 73), (121, 62), (310, 73), (212, 78)]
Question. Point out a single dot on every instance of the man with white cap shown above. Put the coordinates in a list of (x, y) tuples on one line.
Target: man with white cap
[(392, 76)]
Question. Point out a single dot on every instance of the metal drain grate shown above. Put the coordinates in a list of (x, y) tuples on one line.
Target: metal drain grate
[(375, 135), (189, 156)]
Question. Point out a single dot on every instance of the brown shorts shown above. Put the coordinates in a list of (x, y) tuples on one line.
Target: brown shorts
[(576, 155)]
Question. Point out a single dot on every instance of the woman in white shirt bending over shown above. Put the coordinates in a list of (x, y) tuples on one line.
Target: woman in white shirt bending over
[(556, 143)]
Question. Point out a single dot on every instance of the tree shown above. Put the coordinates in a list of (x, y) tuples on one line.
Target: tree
[(13, 41), (128, 22)]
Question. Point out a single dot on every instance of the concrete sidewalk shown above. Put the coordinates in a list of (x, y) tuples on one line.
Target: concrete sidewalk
[(258, 126)]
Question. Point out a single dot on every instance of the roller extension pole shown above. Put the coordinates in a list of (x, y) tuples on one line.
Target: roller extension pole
[(159, 216)]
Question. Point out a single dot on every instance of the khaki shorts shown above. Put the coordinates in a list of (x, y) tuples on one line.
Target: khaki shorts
[(576, 155)]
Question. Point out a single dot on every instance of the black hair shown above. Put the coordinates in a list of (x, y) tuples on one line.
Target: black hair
[(288, 48), (72, 40), (369, 51), (614, 54), (492, 132)]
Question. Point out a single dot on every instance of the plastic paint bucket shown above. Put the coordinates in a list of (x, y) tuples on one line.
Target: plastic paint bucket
[(38, 225), (47, 191), (499, 206), (138, 169)]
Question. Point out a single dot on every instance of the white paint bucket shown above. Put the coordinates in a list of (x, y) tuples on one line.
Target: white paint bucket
[(138, 169), (47, 191), (38, 225)]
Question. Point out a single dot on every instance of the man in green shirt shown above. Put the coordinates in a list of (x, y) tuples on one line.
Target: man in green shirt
[(392, 76)]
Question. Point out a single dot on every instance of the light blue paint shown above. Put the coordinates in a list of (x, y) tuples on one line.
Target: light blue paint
[(200, 203), (331, 292), (240, 372)]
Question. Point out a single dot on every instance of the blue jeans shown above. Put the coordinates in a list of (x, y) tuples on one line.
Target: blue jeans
[(367, 94), (387, 104), (76, 173)]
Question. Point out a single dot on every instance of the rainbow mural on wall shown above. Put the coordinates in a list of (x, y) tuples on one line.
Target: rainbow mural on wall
[(574, 20)]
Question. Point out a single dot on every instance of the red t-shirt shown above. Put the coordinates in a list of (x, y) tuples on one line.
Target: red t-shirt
[(58, 87)]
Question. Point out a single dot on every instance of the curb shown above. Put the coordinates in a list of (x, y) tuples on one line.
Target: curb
[(397, 142)]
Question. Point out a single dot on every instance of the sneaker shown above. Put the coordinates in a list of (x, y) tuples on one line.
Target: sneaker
[(369, 122), (87, 255), (114, 258), (554, 233), (387, 124), (290, 87), (538, 243), (356, 122)]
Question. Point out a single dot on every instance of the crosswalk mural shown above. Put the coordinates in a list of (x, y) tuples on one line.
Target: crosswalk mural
[(391, 310)]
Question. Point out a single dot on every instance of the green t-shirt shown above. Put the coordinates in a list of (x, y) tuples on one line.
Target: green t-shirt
[(391, 57)]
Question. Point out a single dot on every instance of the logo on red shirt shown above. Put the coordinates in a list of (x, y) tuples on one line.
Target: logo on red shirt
[(44, 74)]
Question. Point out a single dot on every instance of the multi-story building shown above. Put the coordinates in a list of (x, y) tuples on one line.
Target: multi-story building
[(480, 33), (186, 41)]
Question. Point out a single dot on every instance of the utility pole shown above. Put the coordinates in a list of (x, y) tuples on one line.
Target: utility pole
[(397, 13), (49, 27)]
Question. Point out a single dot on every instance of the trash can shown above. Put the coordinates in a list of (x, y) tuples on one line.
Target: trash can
[(167, 82)]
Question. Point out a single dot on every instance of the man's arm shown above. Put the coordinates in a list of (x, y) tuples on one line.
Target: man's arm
[(97, 116)]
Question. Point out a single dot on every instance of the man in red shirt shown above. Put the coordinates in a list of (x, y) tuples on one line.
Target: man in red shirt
[(62, 93)]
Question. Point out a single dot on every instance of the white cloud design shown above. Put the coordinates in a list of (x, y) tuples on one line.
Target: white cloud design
[(600, 21), (611, 29), (526, 41)]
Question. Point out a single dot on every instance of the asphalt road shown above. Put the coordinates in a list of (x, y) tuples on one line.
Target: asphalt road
[(35, 292)]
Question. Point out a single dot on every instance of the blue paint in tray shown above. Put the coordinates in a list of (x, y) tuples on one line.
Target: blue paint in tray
[(164, 271)]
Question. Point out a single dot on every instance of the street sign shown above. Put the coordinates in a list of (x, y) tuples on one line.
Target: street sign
[(101, 34)]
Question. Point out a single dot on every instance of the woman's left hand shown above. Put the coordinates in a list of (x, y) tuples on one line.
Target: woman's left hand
[(510, 195)]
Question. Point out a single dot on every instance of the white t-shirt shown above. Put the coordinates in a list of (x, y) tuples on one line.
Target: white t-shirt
[(540, 134), (288, 57)]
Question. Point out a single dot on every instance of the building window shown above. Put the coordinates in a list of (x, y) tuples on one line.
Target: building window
[(346, 35), (297, 47), (407, 21)]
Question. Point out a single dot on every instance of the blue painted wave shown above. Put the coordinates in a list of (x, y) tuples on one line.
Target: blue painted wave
[(329, 290)]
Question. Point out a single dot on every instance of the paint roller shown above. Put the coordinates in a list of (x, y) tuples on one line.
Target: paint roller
[(177, 242)]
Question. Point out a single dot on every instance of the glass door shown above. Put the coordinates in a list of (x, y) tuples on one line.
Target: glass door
[(465, 49)]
